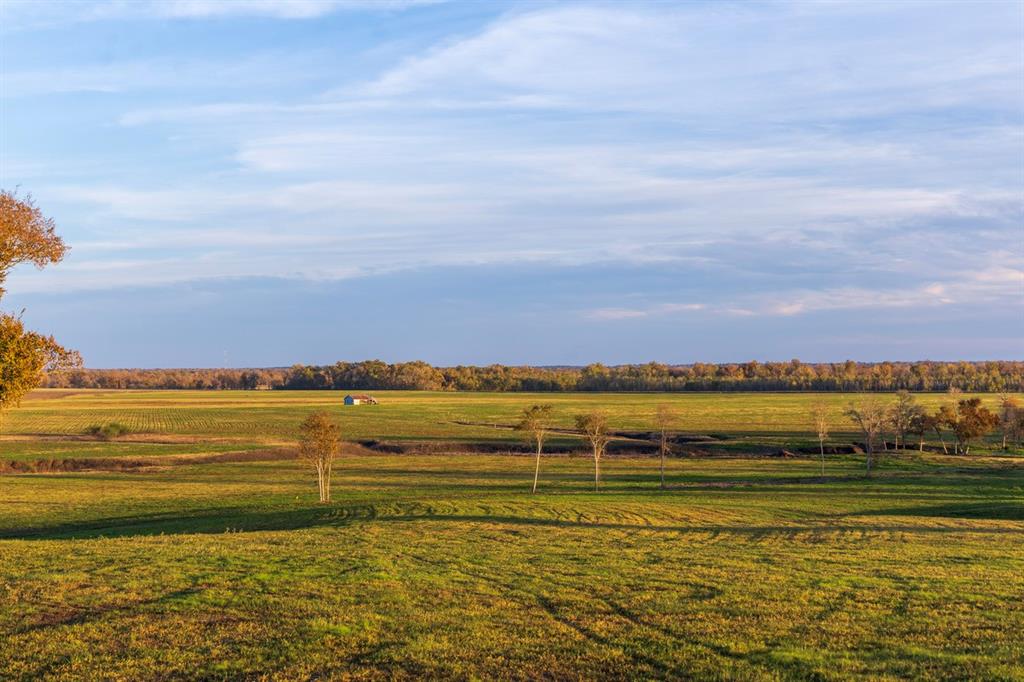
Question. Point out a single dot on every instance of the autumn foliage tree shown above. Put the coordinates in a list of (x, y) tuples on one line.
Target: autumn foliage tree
[(319, 444), (26, 236), (25, 357), (970, 421)]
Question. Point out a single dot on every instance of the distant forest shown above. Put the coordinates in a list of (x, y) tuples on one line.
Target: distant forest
[(748, 376)]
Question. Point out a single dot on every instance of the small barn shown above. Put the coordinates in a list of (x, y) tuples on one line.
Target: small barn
[(360, 399)]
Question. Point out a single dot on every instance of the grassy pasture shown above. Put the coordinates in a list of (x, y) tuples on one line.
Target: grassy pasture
[(261, 415), (444, 566)]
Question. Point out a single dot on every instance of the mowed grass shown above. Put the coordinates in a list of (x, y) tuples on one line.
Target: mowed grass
[(445, 566)]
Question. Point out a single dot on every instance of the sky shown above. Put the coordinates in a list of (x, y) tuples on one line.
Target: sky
[(262, 183)]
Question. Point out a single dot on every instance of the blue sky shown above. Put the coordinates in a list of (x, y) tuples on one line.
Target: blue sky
[(262, 183)]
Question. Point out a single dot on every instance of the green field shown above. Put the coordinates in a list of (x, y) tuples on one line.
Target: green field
[(444, 566)]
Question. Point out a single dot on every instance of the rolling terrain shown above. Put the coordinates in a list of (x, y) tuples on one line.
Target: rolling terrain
[(212, 560)]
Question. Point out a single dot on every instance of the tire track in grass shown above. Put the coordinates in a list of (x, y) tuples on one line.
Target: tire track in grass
[(528, 599)]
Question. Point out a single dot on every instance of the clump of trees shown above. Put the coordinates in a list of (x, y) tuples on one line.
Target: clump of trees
[(966, 418), (319, 444), (26, 236), (968, 422)]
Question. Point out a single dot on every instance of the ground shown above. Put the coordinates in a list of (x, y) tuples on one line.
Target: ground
[(444, 566)]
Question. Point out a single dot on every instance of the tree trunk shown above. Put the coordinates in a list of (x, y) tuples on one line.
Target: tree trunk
[(536, 469), (663, 448), (821, 444), (920, 444), (597, 471), (327, 482), (942, 440)]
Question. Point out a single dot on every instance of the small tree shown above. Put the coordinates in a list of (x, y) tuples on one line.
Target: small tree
[(871, 416), (665, 417), (970, 421), (319, 444), (594, 426), (1016, 427), (938, 421), (920, 424), (535, 422), (819, 416), (901, 413), (1009, 407)]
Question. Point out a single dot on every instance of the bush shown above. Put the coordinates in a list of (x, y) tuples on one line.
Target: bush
[(107, 431)]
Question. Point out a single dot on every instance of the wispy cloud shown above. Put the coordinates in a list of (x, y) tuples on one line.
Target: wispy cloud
[(1000, 283), (30, 14)]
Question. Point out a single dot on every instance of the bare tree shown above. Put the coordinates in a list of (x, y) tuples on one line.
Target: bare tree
[(1009, 407), (946, 413), (666, 417), (938, 421), (871, 416), (820, 417), (920, 425), (594, 426), (534, 422), (319, 444), (901, 416)]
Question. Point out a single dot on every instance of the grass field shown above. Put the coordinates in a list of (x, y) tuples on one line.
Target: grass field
[(273, 415), (444, 566)]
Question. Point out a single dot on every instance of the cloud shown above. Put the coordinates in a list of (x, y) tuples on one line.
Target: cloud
[(33, 15), (279, 9), (776, 160), (160, 74), (1001, 284), (717, 64), (634, 313)]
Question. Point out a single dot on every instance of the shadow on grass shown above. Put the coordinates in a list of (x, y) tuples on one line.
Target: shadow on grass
[(996, 511), (238, 520)]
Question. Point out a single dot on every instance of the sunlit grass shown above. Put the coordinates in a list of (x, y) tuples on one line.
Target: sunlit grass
[(444, 566)]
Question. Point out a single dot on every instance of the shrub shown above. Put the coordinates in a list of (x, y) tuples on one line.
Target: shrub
[(107, 431)]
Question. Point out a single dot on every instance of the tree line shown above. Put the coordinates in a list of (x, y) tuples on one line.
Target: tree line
[(794, 375)]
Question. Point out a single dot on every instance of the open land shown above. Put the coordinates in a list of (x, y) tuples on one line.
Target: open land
[(193, 546)]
